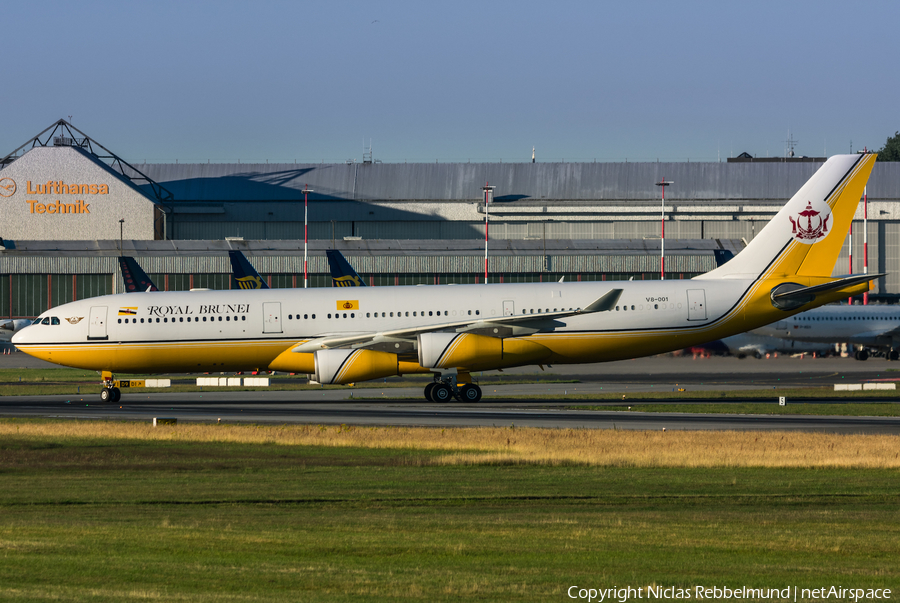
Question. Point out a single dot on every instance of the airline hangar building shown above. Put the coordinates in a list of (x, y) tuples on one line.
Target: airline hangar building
[(70, 207)]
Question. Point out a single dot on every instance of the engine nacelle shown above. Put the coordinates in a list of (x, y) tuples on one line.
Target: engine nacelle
[(348, 366), (291, 362), (477, 352)]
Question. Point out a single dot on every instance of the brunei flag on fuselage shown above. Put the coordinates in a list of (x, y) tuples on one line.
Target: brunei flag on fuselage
[(128, 311)]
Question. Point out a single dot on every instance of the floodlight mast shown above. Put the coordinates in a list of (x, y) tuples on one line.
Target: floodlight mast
[(662, 238), (866, 239), (306, 192), (488, 196)]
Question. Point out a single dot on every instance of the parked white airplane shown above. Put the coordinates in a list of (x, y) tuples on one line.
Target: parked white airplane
[(9, 326), (864, 326), (749, 344), (345, 336)]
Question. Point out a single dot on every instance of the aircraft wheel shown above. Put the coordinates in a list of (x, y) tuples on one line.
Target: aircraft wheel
[(106, 394), (441, 393), (893, 355), (862, 355), (470, 393), (116, 394), (428, 389)]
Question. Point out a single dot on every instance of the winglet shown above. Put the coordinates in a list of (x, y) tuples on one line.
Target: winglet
[(604, 303)]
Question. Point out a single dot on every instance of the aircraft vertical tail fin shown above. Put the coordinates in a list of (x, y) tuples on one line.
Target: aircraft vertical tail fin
[(134, 277), (244, 276), (806, 236), (342, 273)]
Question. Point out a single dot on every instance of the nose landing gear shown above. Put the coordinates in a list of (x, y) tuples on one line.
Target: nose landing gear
[(109, 393)]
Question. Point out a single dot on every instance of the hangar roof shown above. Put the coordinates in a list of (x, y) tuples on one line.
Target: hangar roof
[(514, 181)]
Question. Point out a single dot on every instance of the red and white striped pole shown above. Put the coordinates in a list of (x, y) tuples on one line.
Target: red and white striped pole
[(850, 255)]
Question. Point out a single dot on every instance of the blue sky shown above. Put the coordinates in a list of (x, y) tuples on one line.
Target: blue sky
[(454, 81)]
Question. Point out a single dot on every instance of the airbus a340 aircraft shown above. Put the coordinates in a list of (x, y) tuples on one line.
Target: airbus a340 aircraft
[(349, 335)]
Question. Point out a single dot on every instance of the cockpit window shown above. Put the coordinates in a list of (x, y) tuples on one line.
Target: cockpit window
[(36, 321), (54, 320), (46, 321)]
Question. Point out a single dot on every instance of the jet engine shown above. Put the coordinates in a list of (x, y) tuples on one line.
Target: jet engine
[(477, 352), (349, 366)]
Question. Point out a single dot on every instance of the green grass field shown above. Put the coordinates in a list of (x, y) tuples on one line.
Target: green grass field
[(120, 519)]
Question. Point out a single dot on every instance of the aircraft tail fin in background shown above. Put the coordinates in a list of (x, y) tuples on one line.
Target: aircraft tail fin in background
[(134, 277), (806, 236), (244, 276), (342, 273)]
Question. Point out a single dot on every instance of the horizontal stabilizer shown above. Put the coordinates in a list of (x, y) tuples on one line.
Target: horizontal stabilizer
[(791, 296)]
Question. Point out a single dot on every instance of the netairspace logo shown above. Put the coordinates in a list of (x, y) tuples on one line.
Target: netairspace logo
[(717, 593)]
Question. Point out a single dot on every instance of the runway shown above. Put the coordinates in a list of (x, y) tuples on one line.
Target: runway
[(298, 407), (383, 406)]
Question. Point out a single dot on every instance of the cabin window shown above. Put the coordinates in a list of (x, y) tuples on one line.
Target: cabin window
[(305, 316), (429, 313), (329, 316), (227, 319), (477, 312), (290, 317), (470, 313), (313, 315), (120, 321), (142, 321), (368, 314), (656, 306), (414, 313), (352, 315), (407, 314), (392, 314), (632, 307), (204, 319)]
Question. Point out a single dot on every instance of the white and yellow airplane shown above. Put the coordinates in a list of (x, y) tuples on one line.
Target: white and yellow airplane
[(453, 330)]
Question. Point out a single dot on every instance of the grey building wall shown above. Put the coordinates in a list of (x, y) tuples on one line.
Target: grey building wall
[(55, 193)]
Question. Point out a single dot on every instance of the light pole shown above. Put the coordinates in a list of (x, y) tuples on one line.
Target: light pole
[(306, 192), (488, 195), (866, 239), (121, 235), (662, 247)]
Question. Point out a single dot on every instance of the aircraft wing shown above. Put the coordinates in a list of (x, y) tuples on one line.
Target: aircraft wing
[(603, 303)]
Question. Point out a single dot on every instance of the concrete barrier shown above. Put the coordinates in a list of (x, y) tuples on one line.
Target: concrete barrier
[(855, 387)]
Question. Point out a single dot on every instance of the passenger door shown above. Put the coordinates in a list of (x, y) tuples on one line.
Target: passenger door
[(696, 304), (272, 317), (97, 324)]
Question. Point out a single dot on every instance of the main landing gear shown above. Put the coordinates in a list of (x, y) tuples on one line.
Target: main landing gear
[(109, 393), (445, 387)]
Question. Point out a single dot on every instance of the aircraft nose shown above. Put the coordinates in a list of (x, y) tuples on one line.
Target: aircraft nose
[(21, 336)]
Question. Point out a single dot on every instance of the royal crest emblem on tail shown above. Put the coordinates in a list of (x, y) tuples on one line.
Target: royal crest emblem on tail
[(810, 225)]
